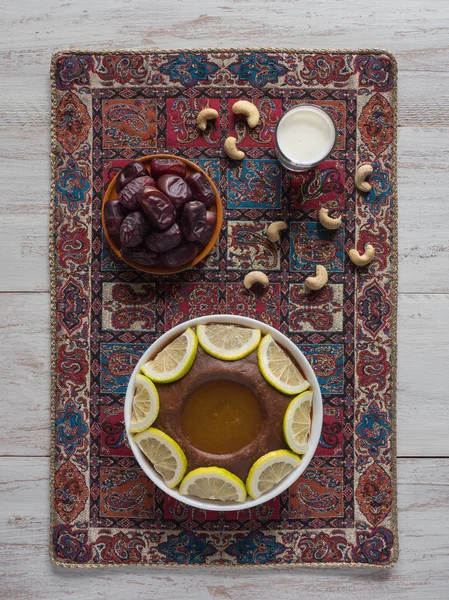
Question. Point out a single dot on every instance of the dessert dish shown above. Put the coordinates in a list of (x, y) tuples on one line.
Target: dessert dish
[(222, 412)]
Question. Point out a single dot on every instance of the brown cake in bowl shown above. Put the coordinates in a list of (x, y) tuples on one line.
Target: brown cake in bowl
[(203, 410)]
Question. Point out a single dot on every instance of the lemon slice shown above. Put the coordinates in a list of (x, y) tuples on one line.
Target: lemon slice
[(164, 453), (297, 422), (145, 406), (213, 483), (269, 470), (175, 360), (228, 342), (278, 369)]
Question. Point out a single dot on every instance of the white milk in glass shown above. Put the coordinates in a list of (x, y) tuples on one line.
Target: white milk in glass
[(305, 135)]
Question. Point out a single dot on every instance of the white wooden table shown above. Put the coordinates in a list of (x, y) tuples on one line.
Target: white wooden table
[(418, 33)]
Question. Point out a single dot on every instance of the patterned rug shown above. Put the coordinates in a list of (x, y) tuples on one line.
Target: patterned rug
[(108, 108)]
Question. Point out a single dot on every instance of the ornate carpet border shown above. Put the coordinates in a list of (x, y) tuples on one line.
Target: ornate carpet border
[(394, 257)]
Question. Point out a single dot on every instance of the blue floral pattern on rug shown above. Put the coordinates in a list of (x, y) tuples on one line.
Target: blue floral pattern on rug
[(255, 184), (189, 69), (255, 549), (72, 185), (187, 548), (312, 245), (257, 68), (117, 363), (373, 430), (380, 193), (70, 428), (327, 360)]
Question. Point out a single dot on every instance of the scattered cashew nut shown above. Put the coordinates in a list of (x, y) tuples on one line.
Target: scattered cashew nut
[(362, 259), (361, 174), (205, 115), (255, 277), (273, 231), (316, 282), (230, 147), (327, 221), (243, 107)]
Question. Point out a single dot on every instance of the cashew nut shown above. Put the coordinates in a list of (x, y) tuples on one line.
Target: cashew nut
[(230, 147), (319, 280), (327, 221), (204, 116), (255, 277), (361, 174), (273, 231), (243, 107), (362, 259)]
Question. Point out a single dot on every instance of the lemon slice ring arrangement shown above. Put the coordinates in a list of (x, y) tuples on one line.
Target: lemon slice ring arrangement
[(227, 342)]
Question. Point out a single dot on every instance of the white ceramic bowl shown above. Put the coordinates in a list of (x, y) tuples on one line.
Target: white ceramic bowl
[(317, 419)]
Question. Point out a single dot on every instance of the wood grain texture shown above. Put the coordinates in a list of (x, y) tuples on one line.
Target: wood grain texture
[(423, 99), (423, 331), (420, 574), (423, 179), (417, 33), (423, 184)]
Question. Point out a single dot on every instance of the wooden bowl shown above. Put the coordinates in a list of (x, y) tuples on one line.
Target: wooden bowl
[(111, 194)]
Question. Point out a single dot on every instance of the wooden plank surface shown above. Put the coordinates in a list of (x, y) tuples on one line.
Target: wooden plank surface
[(423, 179), (423, 418), (421, 573), (417, 33)]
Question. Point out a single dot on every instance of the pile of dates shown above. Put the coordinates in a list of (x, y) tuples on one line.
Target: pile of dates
[(161, 217)]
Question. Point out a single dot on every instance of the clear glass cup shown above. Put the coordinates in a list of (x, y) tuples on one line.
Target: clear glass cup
[(316, 131)]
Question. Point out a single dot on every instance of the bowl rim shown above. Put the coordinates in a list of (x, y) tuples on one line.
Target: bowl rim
[(317, 420), (111, 194)]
